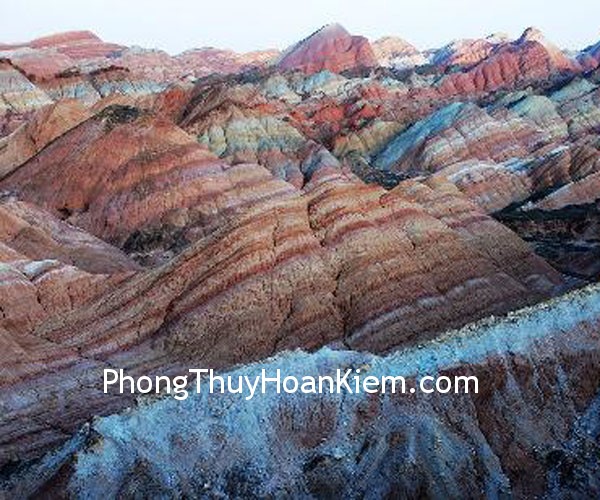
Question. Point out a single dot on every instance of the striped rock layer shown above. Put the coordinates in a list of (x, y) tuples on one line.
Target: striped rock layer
[(340, 262), (531, 430), (154, 215), (330, 48)]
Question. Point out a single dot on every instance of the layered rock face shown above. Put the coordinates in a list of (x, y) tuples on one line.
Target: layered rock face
[(215, 209), (45, 126), (48, 268), (331, 48), (81, 66), (208, 60), (288, 274), (467, 52), (397, 53), (531, 430), (537, 147), (508, 64), (37, 235), (19, 97), (133, 176), (46, 57), (524, 151), (590, 57), (76, 45)]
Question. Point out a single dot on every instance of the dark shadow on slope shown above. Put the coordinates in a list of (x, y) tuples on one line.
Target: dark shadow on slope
[(568, 238)]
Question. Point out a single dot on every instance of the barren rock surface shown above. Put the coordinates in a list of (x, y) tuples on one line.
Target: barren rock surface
[(342, 202), (331, 48), (538, 412)]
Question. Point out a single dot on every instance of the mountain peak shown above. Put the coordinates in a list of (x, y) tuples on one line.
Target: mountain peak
[(331, 48), (396, 52), (65, 37), (333, 29), (533, 34), (496, 38)]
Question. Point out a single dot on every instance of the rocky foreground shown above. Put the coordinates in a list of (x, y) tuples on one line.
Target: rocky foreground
[(533, 429), (347, 197)]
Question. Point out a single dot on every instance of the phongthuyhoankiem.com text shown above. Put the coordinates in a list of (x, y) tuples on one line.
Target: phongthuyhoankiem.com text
[(351, 381)]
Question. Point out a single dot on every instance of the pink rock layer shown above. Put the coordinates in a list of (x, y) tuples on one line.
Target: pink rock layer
[(331, 48)]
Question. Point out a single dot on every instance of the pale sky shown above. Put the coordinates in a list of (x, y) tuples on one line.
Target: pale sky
[(243, 25)]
